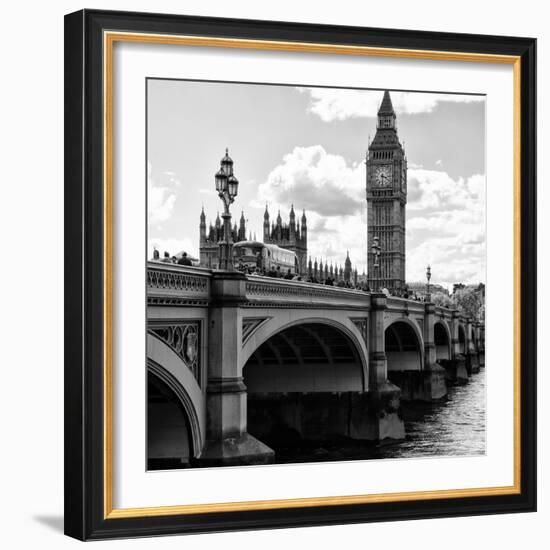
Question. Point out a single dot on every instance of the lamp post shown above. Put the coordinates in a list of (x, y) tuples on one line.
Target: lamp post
[(375, 248), (227, 186), (428, 277)]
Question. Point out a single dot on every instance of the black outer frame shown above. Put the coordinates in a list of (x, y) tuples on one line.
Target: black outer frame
[(84, 514)]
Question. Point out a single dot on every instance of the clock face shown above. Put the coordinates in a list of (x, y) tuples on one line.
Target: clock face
[(382, 175)]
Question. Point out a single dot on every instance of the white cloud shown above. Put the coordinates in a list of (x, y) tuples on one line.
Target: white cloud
[(339, 104), (172, 176), (446, 227), (332, 191), (311, 178), (445, 217), (436, 190), (451, 260), (331, 238), (161, 196), (206, 191)]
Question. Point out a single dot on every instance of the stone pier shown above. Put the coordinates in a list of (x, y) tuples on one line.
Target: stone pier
[(385, 396), (427, 384), (227, 439), (455, 370), (455, 367), (480, 337), (472, 357)]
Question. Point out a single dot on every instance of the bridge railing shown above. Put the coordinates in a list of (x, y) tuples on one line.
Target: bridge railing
[(172, 284), (267, 290), (396, 303)]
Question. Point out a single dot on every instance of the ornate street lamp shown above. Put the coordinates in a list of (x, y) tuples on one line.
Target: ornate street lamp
[(428, 277), (375, 248), (227, 186)]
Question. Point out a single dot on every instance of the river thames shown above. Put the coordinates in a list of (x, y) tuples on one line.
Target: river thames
[(455, 427)]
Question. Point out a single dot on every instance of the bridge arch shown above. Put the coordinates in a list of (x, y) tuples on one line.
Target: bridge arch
[(461, 339), (343, 327), (314, 356), (442, 340), (169, 376), (302, 383), (404, 346), (169, 435)]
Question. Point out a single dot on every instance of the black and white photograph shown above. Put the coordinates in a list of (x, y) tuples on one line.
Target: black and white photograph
[(271, 275), (315, 271)]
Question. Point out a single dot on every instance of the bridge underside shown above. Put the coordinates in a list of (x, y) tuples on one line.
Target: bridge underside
[(169, 441), (407, 367), (306, 383), (461, 341), (442, 342), (403, 351), (305, 358), (455, 366)]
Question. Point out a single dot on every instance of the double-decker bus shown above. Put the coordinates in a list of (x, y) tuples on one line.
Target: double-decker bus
[(257, 257)]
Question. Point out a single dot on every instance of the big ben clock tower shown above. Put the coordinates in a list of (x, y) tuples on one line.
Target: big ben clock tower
[(386, 199)]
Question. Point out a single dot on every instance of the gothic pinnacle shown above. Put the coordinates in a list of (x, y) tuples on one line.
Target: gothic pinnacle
[(386, 106)]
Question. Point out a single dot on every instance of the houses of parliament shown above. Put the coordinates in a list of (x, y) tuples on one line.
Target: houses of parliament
[(290, 236)]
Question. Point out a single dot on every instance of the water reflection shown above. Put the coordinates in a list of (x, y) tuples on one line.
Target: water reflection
[(452, 428)]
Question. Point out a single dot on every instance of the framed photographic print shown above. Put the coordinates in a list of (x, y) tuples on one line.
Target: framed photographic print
[(300, 274)]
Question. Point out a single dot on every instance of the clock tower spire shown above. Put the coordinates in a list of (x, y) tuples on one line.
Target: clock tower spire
[(386, 199)]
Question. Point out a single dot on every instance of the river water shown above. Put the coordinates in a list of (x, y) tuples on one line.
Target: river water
[(455, 427)]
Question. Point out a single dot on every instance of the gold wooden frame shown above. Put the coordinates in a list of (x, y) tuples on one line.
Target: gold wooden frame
[(109, 39)]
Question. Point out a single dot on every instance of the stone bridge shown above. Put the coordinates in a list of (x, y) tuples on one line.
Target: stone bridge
[(237, 360)]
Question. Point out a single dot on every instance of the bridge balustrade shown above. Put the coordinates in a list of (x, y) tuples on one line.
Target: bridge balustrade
[(172, 284), (264, 289)]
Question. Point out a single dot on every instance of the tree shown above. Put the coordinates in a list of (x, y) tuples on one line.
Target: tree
[(458, 286), (441, 299), (469, 301)]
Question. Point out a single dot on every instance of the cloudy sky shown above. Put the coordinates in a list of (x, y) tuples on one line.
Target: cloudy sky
[(306, 146)]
